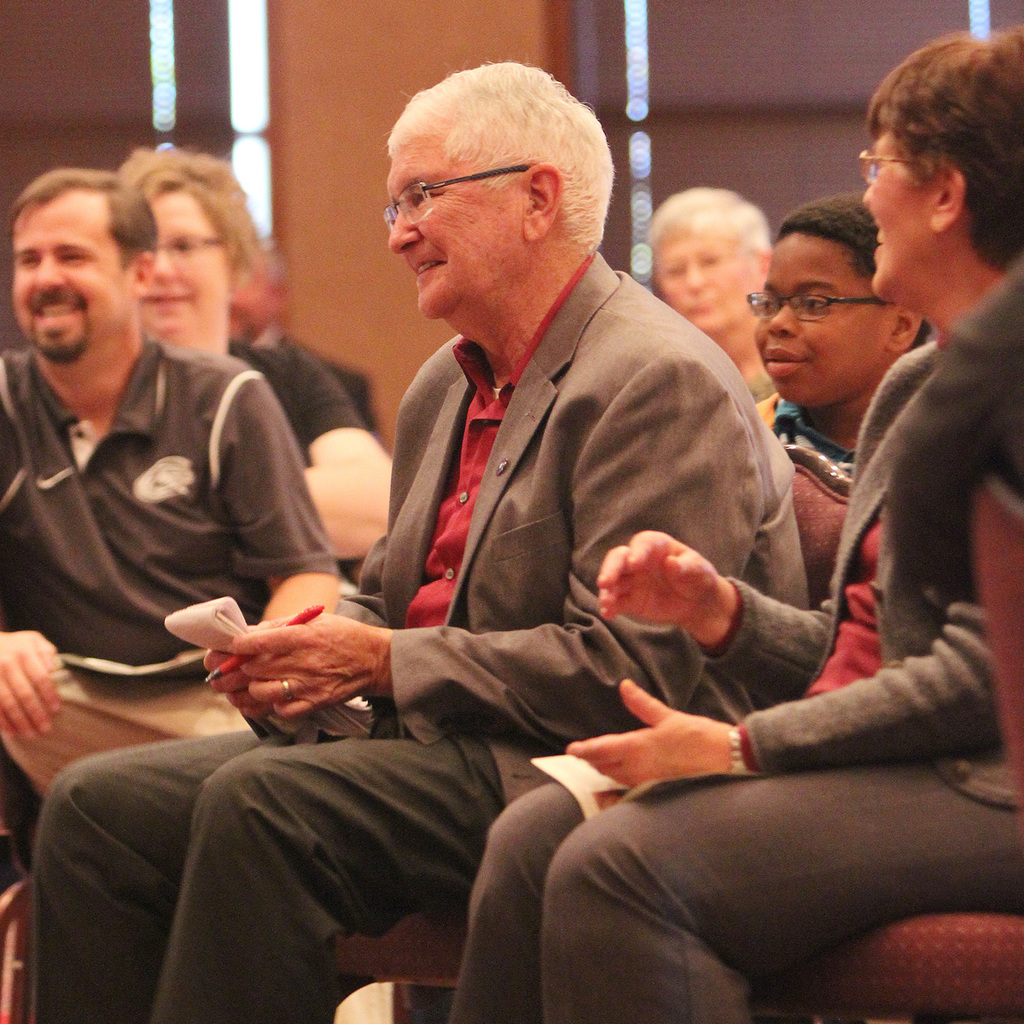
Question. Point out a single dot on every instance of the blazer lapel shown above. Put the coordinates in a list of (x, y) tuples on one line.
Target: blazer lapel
[(413, 530), (523, 419), (533, 397)]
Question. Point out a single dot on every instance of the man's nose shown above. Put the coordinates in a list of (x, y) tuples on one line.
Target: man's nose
[(48, 271), (401, 233)]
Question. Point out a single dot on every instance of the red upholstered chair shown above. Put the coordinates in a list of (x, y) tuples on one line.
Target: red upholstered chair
[(821, 493), (998, 554), (938, 966)]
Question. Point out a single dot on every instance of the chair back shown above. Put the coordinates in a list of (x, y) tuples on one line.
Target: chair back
[(15, 988), (998, 561), (821, 494)]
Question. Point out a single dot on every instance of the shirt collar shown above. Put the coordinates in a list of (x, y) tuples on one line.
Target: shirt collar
[(791, 420), (141, 403), (473, 360)]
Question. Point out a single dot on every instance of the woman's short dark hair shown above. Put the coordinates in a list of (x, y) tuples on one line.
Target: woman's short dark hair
[(960, 100), (844, 220), (131, 220)]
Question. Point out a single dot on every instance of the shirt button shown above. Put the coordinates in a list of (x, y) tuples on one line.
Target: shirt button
[(449, 574), (463, 497)]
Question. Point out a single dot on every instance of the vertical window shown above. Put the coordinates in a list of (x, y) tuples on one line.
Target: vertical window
[(250, 105), (637, 108)]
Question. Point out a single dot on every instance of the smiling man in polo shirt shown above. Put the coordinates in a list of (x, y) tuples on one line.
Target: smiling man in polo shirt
[(134, 479)]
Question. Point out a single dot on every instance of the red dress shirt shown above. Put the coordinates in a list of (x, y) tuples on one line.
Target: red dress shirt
[(486, 411)]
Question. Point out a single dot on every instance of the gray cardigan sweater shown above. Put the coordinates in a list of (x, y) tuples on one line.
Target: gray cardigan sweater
[(932, 700)]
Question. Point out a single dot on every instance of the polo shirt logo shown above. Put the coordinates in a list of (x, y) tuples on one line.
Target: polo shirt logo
[(171, 477)]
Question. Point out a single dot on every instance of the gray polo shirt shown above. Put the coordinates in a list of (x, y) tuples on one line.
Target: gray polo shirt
[(196, 492)]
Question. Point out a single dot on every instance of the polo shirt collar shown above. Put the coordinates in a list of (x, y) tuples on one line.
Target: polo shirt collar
[(143, 401), (141, 405)]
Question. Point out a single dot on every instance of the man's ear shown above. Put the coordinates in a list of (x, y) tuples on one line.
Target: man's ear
[(544, 199), (949, 203), (141, 270)]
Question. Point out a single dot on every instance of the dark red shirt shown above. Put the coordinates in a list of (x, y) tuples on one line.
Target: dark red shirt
[(858, 652), (483, 418)]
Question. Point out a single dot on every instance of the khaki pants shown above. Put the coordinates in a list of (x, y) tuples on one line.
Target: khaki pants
[(103, 713)]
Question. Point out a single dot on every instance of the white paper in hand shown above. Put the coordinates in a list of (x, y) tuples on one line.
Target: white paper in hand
[(592, 789), (211, 624)]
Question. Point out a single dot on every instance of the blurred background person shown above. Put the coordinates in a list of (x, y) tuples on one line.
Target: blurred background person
[(825, 338), (206, 246), (711, 249), (257, 313)]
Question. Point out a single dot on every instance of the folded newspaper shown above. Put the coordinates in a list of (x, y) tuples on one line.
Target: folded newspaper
[(212, 624)]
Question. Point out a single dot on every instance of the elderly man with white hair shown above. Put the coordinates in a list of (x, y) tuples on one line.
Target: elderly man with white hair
[(572, 410), (711, 249)]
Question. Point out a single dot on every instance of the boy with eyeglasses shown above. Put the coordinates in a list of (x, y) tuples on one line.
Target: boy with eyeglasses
[(825, 338)]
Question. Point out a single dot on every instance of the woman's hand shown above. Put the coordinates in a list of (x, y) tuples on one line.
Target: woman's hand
[(675, 744), (658, 578)]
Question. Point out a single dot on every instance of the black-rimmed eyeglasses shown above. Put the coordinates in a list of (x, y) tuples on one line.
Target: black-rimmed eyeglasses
[(766, 305), (414, 202)]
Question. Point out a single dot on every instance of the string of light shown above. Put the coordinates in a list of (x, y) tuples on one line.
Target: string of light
[(637, 109), (250, 95), (161, 59), (980, 16)]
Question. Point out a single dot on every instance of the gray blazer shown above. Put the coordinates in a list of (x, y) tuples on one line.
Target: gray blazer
[(626, 418), (932, 700)]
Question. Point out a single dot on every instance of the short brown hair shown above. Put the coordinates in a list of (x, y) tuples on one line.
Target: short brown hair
[(131, 220), (960, 100), (212, 184)]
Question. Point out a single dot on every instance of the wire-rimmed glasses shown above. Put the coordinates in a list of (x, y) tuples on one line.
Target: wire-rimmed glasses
[(871, 164), (186, 246), (414, 202)]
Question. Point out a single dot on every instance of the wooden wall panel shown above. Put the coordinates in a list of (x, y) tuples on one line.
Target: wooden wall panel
[(340, 76)]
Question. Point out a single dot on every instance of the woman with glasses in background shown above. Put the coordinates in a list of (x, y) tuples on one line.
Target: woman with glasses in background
[(206, 247)]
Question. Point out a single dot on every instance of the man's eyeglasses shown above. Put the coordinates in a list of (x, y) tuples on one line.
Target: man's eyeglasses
[(766, 305), (414, 202), (871, 164), (185, 247)]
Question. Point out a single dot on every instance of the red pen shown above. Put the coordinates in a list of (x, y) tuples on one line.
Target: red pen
[(236, 660)]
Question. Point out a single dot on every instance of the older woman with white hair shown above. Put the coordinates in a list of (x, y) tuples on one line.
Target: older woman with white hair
[(711, 249)]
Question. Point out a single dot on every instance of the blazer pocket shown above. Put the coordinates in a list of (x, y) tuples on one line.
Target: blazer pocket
[(530, 539)]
